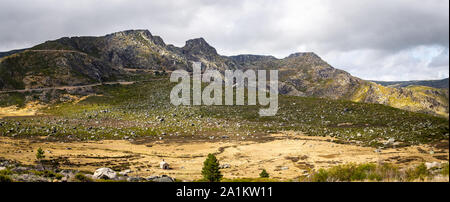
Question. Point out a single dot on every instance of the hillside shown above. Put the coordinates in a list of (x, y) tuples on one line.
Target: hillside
[(132, 127), (46, 68), (143, 109), (443, 83), (7, 53), (81, 60)]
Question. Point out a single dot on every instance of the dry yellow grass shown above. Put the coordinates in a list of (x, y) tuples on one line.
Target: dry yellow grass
[(285, 158), (30, 109)]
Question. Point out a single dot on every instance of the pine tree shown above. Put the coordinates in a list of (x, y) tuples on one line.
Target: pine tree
[(264, 174), (210, 171), (40, 154)]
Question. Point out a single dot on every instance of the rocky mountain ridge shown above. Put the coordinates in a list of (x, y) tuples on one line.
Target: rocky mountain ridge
[(442, 83), (83, 60)]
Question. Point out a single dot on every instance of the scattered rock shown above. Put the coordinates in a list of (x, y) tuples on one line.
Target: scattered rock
[(29, 178), (104, 173), (68, 174), (20, 169), (125, 172), (224, 166), (135, 179), (163, 178)]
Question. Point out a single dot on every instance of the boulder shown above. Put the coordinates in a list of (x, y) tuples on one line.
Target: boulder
[(223, 166), (20, 169), (432, 165), (104, 173), (151, 178), (125, 172), (68, 174), (162, 178)]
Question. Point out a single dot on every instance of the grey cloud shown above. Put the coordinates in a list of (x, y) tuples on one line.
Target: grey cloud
[(375, 33)]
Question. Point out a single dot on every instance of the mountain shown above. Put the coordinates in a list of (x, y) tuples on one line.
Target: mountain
[(7, 53), (84, 60), (443, 83), (46, 68)]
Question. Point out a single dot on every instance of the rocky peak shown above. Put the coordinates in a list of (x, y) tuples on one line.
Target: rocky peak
[(199, 46), (158, 41), (303, 54), (309, 58), (134, 34), (131, 32)]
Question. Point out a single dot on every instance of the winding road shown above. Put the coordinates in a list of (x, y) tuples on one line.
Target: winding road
[(67, 87)]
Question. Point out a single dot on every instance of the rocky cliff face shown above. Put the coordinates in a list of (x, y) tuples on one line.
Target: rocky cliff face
[(128, 49), (80, 60)]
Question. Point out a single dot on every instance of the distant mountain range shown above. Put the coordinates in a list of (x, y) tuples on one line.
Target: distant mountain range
[(443, 83), (4, 54), (85, 60)]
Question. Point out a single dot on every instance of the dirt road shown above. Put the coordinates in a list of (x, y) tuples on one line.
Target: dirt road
[(68, 87)]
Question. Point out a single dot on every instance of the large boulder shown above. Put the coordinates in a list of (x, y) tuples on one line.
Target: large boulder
[(104, 173), (432, 165), (162, 178)]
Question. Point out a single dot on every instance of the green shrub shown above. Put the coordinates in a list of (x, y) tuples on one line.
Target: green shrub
[(40, 154), (210, 171), (354, 172), (6, 172), (82, 178), (48, 173), (388, 171), (5, 178), (320, 176), (264, 174), (374, 177), (419, 172), (444, 169)]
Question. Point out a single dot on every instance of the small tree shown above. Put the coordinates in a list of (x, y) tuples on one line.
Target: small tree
[(210, 170), (40, 154), (264, 174)]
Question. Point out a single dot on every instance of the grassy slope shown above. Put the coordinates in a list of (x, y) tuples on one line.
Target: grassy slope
[(413, 98), (136, 110)]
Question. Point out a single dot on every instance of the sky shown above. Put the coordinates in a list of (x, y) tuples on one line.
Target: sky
[(372, 39)]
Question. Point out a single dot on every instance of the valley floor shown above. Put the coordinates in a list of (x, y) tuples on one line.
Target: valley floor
[(286, 156)]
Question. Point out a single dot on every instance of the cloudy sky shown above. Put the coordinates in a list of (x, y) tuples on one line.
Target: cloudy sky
[(371, 39)]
